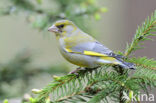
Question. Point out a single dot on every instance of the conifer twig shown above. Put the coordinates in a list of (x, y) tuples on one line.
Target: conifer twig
[(142, 33)]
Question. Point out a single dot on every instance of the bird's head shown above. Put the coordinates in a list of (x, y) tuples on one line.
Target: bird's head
[(62, 27)]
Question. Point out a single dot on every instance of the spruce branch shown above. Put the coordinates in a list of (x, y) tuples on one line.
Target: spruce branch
[(145, 73), (52, 86), (143, 32), (69, 85), (99, 83), (102, 95), (103, 83), (81, 98), (144, 62), (66, 87), (142, 79)]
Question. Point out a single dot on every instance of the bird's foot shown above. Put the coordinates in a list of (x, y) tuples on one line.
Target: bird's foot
[(77, 70)]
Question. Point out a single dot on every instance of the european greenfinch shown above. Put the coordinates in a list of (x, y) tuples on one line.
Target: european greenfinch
[(81, 49)]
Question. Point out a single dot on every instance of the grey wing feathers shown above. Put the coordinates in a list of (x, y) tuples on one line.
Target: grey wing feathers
[(102, 49), (92, 46), (88, 46), (96, 47)]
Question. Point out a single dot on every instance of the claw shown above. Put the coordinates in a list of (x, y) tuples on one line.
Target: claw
[(83, 69), (75, 71)]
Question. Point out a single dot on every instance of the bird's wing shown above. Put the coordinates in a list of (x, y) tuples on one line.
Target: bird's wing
[(91, 48)]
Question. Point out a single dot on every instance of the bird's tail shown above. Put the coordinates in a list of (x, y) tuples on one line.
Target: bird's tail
[(127, 65)]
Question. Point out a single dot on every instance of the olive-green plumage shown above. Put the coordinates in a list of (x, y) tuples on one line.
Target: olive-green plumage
[(81, 49)]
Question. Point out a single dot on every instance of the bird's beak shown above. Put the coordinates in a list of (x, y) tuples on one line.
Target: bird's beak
[(53, 28)]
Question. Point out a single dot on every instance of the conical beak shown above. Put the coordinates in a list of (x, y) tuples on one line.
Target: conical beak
[(53, 28)]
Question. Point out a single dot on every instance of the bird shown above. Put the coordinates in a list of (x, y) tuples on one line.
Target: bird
[(82, 49)]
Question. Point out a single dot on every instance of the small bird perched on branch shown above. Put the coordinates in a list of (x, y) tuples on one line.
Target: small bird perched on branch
[(81, 49)]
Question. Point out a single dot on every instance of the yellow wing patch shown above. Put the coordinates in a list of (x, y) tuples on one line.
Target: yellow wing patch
[(102, 56), (68, 50), (108, 58), (91, 53)]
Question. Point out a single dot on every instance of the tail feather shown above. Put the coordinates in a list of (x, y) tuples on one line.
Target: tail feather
[(127, 65), (122, 63)]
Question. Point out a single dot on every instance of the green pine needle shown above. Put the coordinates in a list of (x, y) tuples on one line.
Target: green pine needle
[(143, 32)]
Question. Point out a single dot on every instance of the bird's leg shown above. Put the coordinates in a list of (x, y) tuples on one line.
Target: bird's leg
[(82, 69), (75, 71)]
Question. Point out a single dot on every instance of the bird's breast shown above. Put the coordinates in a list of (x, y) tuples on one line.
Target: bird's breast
[(78, 59)]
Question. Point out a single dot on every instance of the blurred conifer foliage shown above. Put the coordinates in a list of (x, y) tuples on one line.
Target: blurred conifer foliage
[(16, 74), (42, 13)]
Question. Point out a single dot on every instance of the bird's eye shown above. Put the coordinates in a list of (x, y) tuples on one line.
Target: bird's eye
[(60, 26)]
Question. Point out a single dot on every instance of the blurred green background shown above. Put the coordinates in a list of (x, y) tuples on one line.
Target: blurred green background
[(29, 56)]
